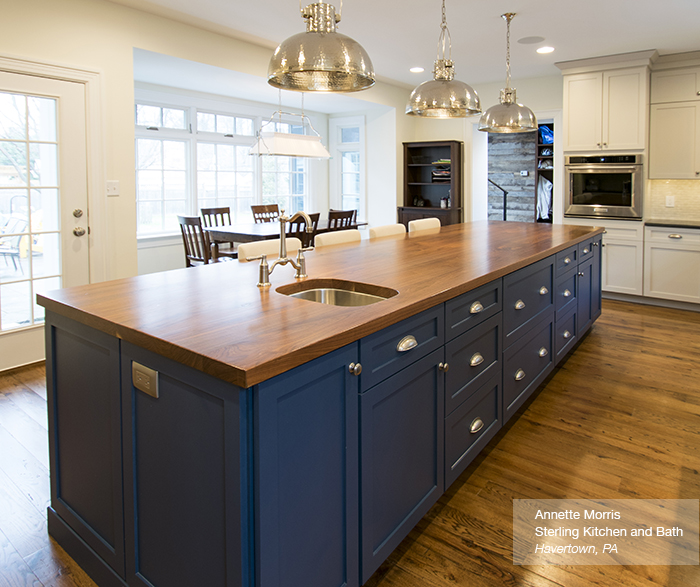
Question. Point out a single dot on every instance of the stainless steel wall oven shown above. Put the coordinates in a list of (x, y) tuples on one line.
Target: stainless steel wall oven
[(604, 186)]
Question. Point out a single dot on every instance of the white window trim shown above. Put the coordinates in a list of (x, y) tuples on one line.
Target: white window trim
[(335, 125)]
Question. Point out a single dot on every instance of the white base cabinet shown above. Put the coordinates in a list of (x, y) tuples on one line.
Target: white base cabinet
[(672, 263)]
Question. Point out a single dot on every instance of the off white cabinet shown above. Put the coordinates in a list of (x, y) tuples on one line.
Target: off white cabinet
[(606, 110), (675, 85), (672, 263), (674, 141)]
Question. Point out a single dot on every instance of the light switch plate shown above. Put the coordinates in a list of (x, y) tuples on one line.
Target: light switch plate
[(112, 187), (670, 201)]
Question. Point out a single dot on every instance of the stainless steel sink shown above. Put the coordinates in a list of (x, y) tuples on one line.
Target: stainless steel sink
[(337, 292)]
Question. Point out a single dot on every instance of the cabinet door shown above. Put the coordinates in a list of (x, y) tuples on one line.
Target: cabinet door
[(672, 265), (583, 111), (625, 108), (402, 463), (622, 265), (674, 141), (306, 475), (675, 85), (585, 296), (82, 384), (184, 477)]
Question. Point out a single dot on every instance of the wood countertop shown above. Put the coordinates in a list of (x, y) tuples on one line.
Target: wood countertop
[(215, 319)]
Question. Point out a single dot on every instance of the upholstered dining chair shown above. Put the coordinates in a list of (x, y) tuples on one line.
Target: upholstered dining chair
[(337, 237), (271, 248), (265, 213), (199, 250), (298, 229), (386, 230), (340, 219), (423, 224), (219, 217)]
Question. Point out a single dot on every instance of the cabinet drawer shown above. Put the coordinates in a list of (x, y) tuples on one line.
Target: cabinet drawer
[(379, 352), (565, 336), (565, 291), (526, 364), (585, 249), (673, 236), (527, 294), (472, 308), (470, 427), (472, 357), (566, 259)]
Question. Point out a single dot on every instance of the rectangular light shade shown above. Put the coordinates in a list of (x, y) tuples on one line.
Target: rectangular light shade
[(289, 145)]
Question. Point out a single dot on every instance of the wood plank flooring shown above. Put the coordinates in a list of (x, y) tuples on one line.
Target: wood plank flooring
[(620, 419)]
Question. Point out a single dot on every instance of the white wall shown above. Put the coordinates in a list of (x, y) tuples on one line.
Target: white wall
[(100, 36)]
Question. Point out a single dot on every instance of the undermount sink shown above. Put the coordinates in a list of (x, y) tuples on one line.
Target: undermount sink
[(337, 292)]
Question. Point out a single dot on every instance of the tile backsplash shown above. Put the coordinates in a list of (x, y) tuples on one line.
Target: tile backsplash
[(686, 194)]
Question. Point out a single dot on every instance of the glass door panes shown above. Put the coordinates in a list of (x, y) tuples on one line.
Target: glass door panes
[(284, 182), (30, 241), (350, 180)]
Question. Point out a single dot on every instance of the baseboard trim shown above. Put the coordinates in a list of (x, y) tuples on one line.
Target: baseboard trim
[(647, 301), (81, 553)]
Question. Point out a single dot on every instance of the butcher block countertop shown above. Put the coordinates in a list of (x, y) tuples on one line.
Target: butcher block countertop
[(215, 319)]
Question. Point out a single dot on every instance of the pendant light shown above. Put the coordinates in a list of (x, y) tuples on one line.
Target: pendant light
[(443, 96), (321, 59), (508, 116)]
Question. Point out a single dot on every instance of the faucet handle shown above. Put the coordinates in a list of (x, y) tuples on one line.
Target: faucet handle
[(301, 263), (263, 270)]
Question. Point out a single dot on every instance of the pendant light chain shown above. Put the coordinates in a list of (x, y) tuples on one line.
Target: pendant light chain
[(445, 39), (508, 17)]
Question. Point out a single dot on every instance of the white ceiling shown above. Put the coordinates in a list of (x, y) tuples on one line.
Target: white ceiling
[(400, 35)]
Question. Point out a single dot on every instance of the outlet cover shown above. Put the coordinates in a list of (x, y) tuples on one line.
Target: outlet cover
[(670, 201), (524, 173), (113, 187)]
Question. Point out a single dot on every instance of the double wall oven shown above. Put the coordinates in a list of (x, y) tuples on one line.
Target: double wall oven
[(604, 186)]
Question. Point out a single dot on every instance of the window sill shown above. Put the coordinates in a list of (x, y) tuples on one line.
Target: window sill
[(158, 240)]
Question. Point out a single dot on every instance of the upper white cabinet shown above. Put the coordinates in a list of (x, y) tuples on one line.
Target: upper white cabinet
[(675, 85), (606, 110)]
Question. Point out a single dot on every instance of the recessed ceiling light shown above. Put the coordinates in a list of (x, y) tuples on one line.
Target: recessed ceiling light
[(530, 40), (545, 49), (417, 70)]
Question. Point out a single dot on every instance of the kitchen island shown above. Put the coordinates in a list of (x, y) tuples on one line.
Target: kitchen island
[(274, 441)]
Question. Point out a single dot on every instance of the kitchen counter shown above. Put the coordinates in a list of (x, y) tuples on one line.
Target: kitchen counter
[(672, 223), (213, 318)]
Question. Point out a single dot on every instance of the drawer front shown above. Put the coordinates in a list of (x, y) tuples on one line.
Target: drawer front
[(472, 358), (472, 308), (380, 353), (527, 295), (585, 249), (673, 236), (566, 259), (565, 291), (565, 336), (526, 364), (469, 428)]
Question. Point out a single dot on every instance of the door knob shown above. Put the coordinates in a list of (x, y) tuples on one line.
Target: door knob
[(79, 231), (77, 212)]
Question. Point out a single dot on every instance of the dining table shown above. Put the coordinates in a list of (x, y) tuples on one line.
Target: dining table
[(251, 231)]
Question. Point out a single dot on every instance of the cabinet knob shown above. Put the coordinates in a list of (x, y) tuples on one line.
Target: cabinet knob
[(598, 145), (476, 307), (543, 291), (676, 236), (519, 305), (566, 335), (407, 343), (444, 367), (79, 231), (595, 244), (567, 293), (580, 273), (477, 359), (567, 261), (586, 251), (519, 375), (355, 368), (543, 352), (476, 425)]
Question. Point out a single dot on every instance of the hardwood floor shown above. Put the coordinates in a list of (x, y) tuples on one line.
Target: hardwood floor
[(620, 419)]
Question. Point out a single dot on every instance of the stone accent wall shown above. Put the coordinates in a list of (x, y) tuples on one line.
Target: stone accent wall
[(509, 154)]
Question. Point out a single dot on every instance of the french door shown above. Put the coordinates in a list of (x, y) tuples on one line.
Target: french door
[(43, 205)]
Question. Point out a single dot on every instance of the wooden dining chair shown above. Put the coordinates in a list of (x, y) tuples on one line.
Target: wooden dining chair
[(297, 229), (423, 224), (265, 213), (199, 250), (270, 247), (338, 237), (219, 217), (340, 219), (386, 230)]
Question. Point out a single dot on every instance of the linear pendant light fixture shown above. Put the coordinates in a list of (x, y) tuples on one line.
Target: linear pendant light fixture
[(443, 96), (321, 59), (508, 116)]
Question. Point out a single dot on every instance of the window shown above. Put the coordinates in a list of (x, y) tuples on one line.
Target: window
[(348, 170), (190, 157)]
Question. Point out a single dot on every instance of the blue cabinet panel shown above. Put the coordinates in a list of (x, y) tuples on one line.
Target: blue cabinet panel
[(469, 428), (565, 336), (472, 308), (566, 260), (82, 373), (402, 463), (565, 292), (185, 477), (528, 294), (379, 352), (306, 475), (473, 358), (585, 296)]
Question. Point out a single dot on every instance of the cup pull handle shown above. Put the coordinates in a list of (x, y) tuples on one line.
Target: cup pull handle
[(407, 343), (476, 307), (543, 291), (675, 236), (567, 261), (519, 375), (543, 352), (476, 359), (476, 425), (566, 335), (519, 305), (567, 293)]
